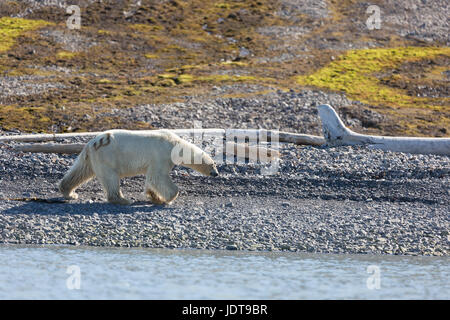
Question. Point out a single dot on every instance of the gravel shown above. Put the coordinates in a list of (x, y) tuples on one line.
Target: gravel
[(33, 5), (68, 40), (426, 20), (291, 9), (287, 111), (321, 199), (25, 86)]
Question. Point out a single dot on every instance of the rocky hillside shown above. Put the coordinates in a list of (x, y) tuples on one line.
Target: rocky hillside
[(163, 63)]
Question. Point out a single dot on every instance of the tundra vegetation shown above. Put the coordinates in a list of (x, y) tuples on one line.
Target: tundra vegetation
[(126, 55)]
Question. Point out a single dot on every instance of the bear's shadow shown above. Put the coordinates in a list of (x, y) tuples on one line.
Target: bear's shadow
[(100, 208)]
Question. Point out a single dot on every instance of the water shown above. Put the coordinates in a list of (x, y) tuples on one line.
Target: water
[(108, 273)]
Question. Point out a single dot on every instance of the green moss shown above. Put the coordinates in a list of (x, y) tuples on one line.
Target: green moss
[(104, 80), (12, 117), (234, 63), (66, 55), (11, 28), (186, 78), (355, 74), (174, 47), (145, 27), (222, 5), (151, 56), (167, 75), (184, 68), (104, 32)]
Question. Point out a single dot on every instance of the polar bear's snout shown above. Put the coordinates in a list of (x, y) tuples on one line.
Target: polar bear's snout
[(214, 172)]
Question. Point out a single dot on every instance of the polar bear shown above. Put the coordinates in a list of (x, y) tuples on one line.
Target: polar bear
[(121, 153)]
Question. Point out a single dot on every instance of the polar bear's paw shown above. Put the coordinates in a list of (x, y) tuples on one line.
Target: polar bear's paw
[(154, 198), (71, 196)]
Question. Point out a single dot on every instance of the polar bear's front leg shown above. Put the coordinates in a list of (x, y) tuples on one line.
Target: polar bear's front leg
[(158, 186), (110, 181)]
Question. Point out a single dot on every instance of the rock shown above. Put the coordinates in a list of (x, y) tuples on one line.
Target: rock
[(243, 52)]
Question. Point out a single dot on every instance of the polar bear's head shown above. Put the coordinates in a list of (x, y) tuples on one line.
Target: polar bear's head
[(191, 156), (207, 166), (206, 169)]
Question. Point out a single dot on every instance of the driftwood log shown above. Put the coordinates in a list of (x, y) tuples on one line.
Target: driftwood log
[(239, 148), (50, 148), (243, 151), (337, 134), (296, 138)]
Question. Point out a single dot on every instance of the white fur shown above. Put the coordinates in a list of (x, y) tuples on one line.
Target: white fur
[(116, 154)]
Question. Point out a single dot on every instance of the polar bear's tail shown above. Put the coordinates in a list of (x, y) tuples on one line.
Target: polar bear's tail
[(80, 172)]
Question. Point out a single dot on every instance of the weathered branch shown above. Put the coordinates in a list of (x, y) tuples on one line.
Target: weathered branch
[(243, 151), (51, 148), (296, 138), (45, 137)]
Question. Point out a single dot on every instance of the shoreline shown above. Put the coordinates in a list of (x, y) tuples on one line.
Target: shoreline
[(81, 230), (216, 252), (321, 200)]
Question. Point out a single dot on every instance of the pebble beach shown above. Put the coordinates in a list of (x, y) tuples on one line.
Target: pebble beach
[(349, 199)]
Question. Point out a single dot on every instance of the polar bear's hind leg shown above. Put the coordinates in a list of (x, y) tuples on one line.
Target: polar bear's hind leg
[(79, 173)]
